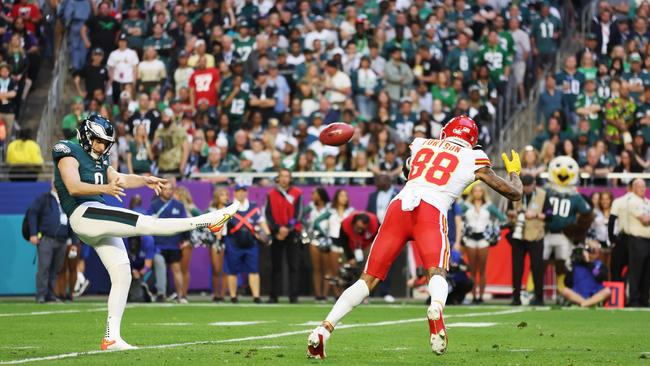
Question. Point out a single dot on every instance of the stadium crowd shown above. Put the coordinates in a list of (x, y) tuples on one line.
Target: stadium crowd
[(246, 86), (27, 38), (596, 109)]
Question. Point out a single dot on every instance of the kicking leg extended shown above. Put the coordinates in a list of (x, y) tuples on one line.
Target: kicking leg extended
[(95, 220)]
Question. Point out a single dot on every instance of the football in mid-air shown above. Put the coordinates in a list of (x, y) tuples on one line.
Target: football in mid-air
[(337, 133)]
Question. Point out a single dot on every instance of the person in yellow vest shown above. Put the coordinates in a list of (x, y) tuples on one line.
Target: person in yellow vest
[(527, 235), (24, 157)]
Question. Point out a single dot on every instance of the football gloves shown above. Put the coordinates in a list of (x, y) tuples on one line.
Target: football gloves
[(512, 165)]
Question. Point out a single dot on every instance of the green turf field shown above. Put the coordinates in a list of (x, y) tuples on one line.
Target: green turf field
[(208, 334)]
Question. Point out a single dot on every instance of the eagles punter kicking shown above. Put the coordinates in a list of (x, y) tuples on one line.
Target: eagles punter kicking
[(82, 175)]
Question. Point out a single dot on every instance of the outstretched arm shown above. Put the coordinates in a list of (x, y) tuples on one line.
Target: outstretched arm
[(136, 181), (511, 188)]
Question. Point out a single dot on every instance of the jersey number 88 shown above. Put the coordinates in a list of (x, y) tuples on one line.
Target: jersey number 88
[(436, 168)]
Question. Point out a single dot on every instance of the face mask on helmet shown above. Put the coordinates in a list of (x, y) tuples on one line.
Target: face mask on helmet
[(96, 128)]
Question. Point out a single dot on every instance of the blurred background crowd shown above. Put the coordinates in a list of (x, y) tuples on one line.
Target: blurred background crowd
[(246, 86)]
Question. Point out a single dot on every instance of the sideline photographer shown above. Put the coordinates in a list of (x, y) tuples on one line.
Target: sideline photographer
[(357, 233), (527, 236), (584, 284), (358, 230)]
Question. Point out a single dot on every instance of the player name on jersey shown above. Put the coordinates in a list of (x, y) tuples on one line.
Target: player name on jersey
[(443, 144)]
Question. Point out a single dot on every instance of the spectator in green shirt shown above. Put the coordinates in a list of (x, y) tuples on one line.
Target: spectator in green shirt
[(545, 37), (140, 155), (461, 57), (496, 59), (505, 37), (587, 67), (135, 28), (637, 78), (443, 91), (214, 164), (588, 106), (71, 121)]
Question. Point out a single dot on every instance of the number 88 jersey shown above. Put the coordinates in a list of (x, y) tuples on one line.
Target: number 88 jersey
[(439, 172)]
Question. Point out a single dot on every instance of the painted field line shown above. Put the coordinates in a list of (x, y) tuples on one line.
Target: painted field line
[(470, 325), (50, 312), (251, 338), (163, 324), (233, 306)]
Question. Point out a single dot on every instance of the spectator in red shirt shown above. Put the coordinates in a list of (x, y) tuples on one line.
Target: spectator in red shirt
[(204, 84), (29, 12), (358, 230)]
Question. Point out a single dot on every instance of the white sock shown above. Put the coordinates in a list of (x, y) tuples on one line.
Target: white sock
[(438, 289), (350, 298), (117, 264), (120, 284)]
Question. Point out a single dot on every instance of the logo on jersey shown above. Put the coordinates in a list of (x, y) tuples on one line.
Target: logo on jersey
[(61, 148)]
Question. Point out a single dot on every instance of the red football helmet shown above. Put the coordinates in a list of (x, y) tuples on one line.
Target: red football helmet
[(462, 129)]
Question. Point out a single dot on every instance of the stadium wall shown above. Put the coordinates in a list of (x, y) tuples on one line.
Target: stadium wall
[(17, 261)]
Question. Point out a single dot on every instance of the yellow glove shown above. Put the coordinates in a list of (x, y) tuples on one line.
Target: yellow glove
[(468, 189), (514, 165)]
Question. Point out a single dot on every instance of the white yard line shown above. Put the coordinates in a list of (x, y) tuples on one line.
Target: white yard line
[(239, 323), (470, 325), (254, 338), (234, 306), (32, 313), (164, 324)]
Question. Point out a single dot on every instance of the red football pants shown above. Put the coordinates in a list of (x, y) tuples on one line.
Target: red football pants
[(424, 225)]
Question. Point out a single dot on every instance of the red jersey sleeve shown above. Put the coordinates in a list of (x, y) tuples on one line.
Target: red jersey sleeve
[(192, 84), (481, 160)]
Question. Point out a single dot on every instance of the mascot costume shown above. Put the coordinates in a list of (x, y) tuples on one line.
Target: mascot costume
[(568, 215)]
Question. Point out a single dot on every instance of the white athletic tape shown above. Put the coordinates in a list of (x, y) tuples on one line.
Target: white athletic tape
[(253, 338)]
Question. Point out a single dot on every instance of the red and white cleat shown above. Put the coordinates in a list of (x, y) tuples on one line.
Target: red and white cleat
[(316, 343), (115, 345), (437, 330)]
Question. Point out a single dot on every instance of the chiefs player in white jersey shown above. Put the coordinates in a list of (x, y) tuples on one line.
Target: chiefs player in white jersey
[(438, 171)]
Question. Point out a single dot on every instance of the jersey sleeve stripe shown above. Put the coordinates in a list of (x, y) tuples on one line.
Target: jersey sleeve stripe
[(482, 162)]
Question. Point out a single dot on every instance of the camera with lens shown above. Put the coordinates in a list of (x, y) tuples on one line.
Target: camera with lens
[(518, 229), (322, 242), (346, 277), (578, 254), (305, 238)]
